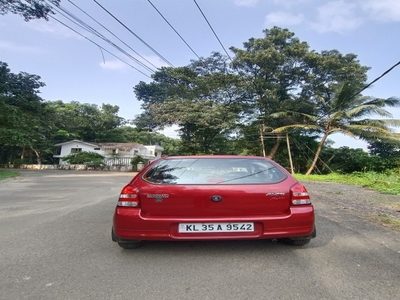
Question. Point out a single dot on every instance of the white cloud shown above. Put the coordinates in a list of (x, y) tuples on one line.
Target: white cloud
[(246, 2), (290, 3), (155, 60), (283, 18), (382, 10), (20, 48), (337, 16), (52, 27), (114, 65)]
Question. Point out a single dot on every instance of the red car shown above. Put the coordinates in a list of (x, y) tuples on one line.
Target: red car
[(213, 198)]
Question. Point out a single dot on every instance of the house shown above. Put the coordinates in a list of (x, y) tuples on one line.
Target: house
[(116, 154)]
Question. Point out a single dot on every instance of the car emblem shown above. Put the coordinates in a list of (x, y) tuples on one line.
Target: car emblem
[(158, 197), (216, 198), (276, 194)]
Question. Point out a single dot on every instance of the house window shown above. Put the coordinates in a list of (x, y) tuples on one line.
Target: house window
[(96, 148), (76, 150), (135, 152)]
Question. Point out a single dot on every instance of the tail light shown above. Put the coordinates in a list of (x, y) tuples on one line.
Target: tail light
[(129, 197), (299, 195)]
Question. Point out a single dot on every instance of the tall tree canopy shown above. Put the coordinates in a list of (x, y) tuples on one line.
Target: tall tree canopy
[(84, 121), (343, 110), (29, 9), (203, 99), (273, 82), (272, 68), (20, 107), (23, 112)]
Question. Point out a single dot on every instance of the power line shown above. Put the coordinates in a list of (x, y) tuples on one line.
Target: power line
[(212, 29), (98, 45), (376, 79), (173, 29), (90, 29), (113, 34), (139, 38)]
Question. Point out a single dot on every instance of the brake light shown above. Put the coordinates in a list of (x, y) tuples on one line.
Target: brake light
[(299, 195), (129, 197)]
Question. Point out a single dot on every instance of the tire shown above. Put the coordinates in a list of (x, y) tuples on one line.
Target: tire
[(299, 242), (131, 245), (126, 244)]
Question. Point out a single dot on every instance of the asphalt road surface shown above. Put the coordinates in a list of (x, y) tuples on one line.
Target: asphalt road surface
[(55, 244)]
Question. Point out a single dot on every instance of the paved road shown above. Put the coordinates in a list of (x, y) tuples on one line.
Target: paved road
[(55, 244)]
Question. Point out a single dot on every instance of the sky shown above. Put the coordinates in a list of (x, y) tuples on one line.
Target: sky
[(75, 68)]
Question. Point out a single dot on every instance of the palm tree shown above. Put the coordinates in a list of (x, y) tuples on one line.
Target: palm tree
[(349, 113)]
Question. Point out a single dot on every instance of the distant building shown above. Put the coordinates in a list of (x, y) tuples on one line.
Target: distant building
[(115, 153)]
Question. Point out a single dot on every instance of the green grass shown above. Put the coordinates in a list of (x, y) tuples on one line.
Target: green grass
[(387, 220), (7, 174), (386, 183)]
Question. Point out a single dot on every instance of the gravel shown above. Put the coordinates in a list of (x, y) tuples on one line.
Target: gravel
[(355, 200)]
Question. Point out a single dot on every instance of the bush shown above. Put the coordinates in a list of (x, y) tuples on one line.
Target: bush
[(135, 161), (84, 158)]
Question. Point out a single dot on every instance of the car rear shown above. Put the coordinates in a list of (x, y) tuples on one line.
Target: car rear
[(218, 197)]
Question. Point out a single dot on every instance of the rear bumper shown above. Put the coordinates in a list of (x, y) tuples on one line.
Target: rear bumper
[(128, 224)]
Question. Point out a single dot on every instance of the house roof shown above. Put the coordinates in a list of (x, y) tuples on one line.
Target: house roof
[(119, 145), (109, 145), (75, 142), (104, 145)]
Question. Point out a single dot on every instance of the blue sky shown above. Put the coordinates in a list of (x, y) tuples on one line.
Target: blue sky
[(74, 69)]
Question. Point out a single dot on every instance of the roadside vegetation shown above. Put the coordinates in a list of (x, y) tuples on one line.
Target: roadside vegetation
[(387, 183), (388, 220), (7, 174), (273, 89)]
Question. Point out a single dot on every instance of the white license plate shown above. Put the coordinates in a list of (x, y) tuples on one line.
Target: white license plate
[(215, 227)]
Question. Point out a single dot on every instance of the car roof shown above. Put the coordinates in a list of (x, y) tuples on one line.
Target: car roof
[(213, 156)]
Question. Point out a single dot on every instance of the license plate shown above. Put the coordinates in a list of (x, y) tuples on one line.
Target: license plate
[(215, 227)]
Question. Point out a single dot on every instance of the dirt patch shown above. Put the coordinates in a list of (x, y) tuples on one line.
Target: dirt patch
[(377, 207)]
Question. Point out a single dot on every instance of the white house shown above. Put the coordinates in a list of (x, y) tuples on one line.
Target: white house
[(114, 153)]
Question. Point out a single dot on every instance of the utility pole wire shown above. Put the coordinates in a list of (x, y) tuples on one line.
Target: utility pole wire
[(376, 79), (173, 28), (75, 20), (384, 73), (99, 46), (138, 37), (205, 18), (112, 34)]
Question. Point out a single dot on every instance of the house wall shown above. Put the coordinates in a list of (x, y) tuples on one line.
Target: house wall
[(123, 156), (155, 151), (66, 149)]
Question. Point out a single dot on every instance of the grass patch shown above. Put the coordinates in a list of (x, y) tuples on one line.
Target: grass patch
[(387, 183), (388, 220), (7, 174)]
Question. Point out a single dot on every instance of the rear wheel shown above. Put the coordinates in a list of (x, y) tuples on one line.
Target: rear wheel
[(297, 242), (126, 244), (131, 245)]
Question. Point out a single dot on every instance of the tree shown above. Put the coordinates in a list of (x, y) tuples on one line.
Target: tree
[(272, 69), (384, 148), (29, 9), (22, 111), (84, 157), (345, 160), (343, 110), (203, 99), (84, 121)]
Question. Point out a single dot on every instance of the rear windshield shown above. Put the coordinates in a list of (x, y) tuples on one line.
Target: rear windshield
[(214, 171)]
